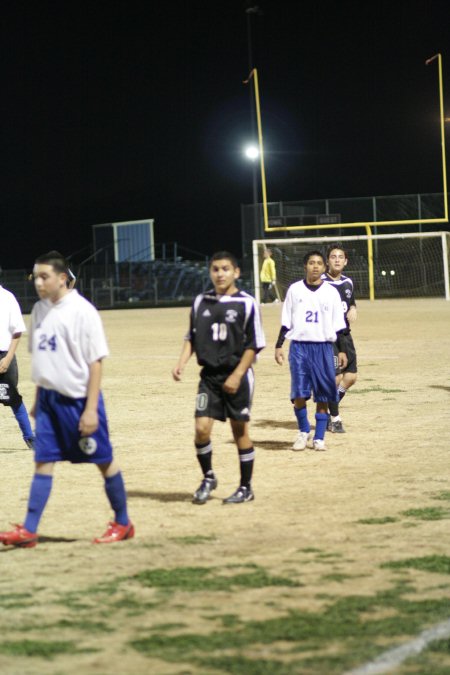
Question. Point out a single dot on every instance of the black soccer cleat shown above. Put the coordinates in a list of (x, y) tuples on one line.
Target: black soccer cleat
[(208, 484), (242, 494), (336, 427)]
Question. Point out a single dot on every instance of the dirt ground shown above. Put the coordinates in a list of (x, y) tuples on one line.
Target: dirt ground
[(394, 457)]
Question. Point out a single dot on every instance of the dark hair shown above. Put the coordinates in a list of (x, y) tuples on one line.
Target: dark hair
[(224, 255), (55, 259), (336, 245), (310, 254)]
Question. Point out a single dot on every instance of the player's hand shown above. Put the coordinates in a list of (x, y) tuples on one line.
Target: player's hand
[(231, 384), (352, 314), (88, 424), (4, 365), (279, 356), (342, 360), (177, 373)]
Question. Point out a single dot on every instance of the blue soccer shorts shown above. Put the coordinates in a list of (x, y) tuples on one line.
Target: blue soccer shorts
[(312, 370), (57, 436)]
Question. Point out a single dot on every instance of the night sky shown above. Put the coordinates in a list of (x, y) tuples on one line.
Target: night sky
[(123, 110)]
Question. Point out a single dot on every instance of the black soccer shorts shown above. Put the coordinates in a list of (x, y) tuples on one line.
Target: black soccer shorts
[(9, 395), (212, 401), (349, 349)]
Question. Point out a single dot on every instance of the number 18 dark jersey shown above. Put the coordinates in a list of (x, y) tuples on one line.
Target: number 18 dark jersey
[(222, 327), (344, 286)]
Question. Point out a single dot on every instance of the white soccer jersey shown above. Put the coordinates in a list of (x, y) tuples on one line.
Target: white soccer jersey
[(312, 316), (11, 320), (65, 338)]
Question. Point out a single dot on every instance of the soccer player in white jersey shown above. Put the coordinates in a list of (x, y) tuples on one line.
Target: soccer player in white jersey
[(225, 333), (68, 345), (312, 319), (11, 328)]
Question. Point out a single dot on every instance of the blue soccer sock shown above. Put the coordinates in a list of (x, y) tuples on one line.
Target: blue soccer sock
[(115, 491), (23, 421), (302, 419), (321, 426), (41, 487)]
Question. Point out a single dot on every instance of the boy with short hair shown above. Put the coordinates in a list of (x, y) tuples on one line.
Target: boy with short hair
[(68, 345), (337, 260), (11, 328), (225, 333), (312, 319)]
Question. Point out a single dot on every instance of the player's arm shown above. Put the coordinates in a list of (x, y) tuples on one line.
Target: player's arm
[(279, 355), (5, 362), (286, 324), (352, 313), (185, 355), (89, 419), (231, 384)]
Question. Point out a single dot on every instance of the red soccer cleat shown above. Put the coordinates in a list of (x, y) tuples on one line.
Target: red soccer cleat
[(19, 537), (116, 532)]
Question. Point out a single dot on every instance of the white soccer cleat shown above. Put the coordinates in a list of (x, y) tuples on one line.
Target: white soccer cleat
[(318, 444), (300, 441)]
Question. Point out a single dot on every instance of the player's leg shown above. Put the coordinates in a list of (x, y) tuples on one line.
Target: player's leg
[(346, 380), (208, 407), (121, 528), (47, 452), (26, 535), (12, 398), (300, 391), (324, 388), (238, 408), (334, 423), (244, 492), (98, 450), (203, 449)]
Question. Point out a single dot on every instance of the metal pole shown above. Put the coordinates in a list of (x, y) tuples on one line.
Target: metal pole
[(261, 151), (250, 11), (442, 124)]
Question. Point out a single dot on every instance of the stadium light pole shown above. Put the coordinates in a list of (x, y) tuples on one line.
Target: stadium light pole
[(442, 124), (251, 11), (254, 75)]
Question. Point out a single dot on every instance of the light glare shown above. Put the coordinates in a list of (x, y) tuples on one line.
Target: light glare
[(251, 152)]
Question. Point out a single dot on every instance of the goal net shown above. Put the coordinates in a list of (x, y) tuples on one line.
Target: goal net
[(395, 265)]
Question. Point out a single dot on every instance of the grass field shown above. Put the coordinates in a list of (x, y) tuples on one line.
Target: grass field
[(342, 555)]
